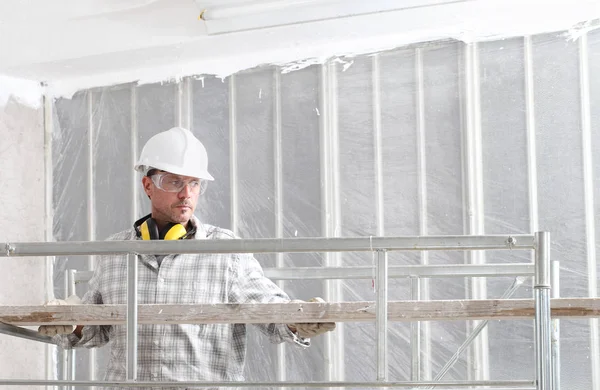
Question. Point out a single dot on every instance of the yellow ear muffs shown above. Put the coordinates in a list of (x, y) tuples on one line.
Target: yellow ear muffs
[(175, 232), (145, 232), (147, 229)]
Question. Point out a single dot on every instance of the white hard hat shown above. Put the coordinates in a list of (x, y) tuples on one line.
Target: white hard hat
[(177, 151)]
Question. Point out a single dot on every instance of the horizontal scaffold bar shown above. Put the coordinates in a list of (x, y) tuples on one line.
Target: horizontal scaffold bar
[(440, 385), (267, 245), (294, 312), (396, 271)]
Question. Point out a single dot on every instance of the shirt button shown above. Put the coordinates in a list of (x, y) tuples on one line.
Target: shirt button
[(156, 342), (154, 375)]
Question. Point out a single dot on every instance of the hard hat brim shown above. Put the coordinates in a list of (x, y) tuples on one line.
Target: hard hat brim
[(199, 174)]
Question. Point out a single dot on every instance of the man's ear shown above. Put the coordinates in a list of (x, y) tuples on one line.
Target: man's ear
[(147, 184)]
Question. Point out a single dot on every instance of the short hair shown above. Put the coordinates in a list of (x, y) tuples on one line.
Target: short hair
[(152, 171)]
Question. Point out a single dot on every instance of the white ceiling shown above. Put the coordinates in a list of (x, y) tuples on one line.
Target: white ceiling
[(52, 39), (38, 32), (85, 43)]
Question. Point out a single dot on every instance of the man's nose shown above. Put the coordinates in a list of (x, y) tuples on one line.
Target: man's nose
[(185, 192)]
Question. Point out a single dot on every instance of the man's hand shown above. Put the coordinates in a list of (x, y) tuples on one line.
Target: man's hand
[(312, 329), (51, 330)]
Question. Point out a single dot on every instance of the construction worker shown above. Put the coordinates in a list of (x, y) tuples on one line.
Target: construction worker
[(175, 168)]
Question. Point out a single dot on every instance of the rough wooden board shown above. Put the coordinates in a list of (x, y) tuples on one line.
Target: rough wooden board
[(294, 312)]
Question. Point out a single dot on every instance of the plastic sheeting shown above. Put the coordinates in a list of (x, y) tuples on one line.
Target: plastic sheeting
[(522, 99)]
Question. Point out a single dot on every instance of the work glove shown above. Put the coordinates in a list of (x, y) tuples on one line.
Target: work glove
[(311, 329), (52, 330)]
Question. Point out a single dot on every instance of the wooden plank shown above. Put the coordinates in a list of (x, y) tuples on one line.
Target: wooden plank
[(295, 312)]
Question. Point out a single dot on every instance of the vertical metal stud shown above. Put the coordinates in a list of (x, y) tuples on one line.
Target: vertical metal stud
[(278, 175), (473, 158), (588, 186), (531, 139), (377, 142), (134, 152), (233, 158), (420, 331), (382, 258), (183, 107), (531, 159), (50, 351), (91, 217), (91, 209), (331, 223)]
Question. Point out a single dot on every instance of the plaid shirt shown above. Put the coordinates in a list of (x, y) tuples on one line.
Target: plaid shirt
[(182, 352)]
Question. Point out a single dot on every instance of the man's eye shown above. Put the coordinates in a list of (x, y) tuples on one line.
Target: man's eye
[(194, 184), (176, 183)]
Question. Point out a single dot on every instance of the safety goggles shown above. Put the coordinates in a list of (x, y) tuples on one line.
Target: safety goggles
[(174, 183)]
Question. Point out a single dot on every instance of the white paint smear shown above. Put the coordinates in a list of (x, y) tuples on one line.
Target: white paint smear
[(26, 92)]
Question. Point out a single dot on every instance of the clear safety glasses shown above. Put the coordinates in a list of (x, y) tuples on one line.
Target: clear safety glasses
[(174, 183)]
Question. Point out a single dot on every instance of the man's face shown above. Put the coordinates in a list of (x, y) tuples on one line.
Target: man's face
[(178, 206)]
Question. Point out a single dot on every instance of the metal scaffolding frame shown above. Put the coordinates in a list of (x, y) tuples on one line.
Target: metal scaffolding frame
[(411, 272), (538, 242)]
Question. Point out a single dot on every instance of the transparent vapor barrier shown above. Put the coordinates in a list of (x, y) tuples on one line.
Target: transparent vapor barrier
[(442, 138)]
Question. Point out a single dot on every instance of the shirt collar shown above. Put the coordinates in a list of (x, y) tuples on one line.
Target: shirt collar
[(201, 231)]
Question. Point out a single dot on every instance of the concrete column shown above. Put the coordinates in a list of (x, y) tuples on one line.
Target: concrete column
[(22, 218)]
